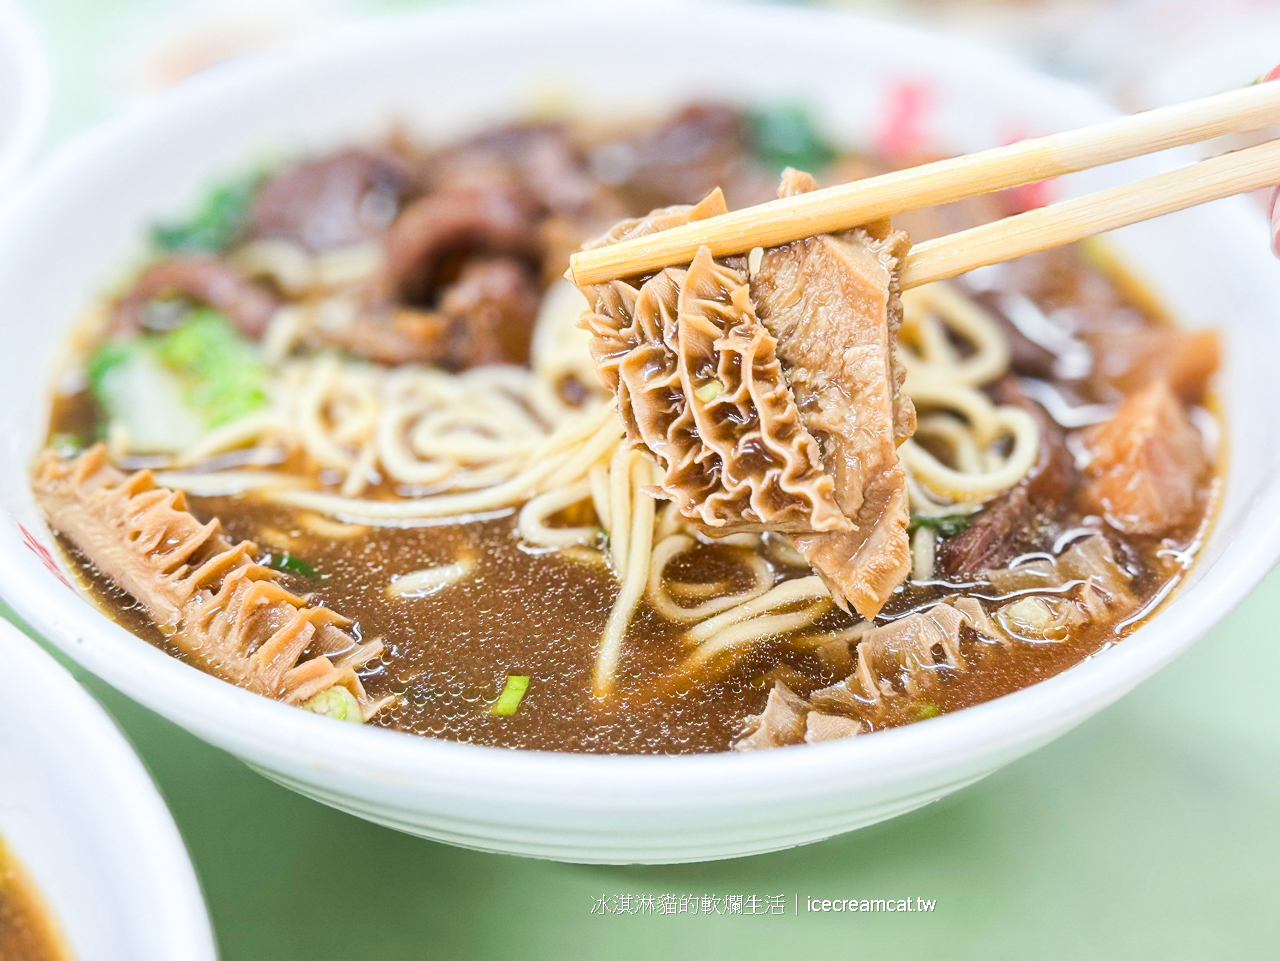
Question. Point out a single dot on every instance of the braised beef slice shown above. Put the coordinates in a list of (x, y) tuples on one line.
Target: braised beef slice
[(436, 234), (1024, 518), (550, 169), (348, 198), (539, 158), (1128, 358), (1148, 463), (486, 316), (388, 334), (832, 303), (202, 280), (491, 308), (703, 147)]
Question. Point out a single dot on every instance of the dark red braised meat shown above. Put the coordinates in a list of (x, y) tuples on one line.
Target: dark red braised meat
[(1023, 519), (429, 243), (195, 279), (348, 198)]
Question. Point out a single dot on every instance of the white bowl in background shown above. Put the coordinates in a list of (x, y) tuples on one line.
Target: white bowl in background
[(80, 813), (24, 92), (453, 69)]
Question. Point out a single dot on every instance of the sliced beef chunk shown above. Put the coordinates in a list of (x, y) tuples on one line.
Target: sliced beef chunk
[(1024, 518), (1147, 463), (703, 147), (388, 334), (550, 169), (460, 285), (540, 158), (348, 198), (203, 280), (437, 233), (486, 316), (491, 307), (832, 303), (1129, 358)]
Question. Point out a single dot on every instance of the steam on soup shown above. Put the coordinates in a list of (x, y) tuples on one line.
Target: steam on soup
[(349, 440)]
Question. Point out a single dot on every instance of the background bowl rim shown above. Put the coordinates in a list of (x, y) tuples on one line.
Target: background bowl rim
[(19, 36), (123, 786), (184, 694)]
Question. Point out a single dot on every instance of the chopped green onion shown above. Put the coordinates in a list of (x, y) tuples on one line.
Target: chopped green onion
[(709, 391), (216, 224), (338, 703), (288, 564), (927, 710), (948, 525), (512, 694), (784, 136), (66, 444)]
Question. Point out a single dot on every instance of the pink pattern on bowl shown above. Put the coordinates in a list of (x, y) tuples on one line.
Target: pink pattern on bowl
[(45, 555)]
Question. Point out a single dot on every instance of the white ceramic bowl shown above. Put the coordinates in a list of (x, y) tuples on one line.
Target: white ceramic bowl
[(24, 92), (453, 69), (79, 811)]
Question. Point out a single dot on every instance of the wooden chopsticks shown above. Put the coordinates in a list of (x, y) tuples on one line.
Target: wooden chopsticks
[(1072, 220), (863, 201)]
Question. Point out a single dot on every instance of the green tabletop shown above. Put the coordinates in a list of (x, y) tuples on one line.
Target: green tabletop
[(1151, 831)]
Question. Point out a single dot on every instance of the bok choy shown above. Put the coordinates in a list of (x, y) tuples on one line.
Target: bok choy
[(165, 390)]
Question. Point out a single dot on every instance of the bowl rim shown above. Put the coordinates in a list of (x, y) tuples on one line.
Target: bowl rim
[(634, 782), (21, 38), (108, 761)]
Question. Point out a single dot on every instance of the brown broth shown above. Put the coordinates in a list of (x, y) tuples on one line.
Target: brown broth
[(541, 614), (26, 931)]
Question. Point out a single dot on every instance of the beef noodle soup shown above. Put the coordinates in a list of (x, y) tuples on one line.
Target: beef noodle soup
[(26, 933), (348, 439)]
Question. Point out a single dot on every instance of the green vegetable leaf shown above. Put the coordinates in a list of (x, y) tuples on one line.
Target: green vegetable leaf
[(140, 395), (784, 136), (512, 694), (288, 564), (948, 525), (167, 389), (216, 224), (112, 354), (223, 374)]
